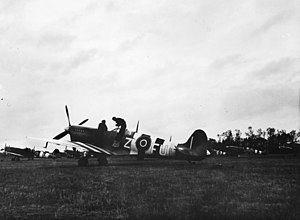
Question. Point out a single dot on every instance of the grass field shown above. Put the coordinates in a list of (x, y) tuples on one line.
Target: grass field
[(215, 188)]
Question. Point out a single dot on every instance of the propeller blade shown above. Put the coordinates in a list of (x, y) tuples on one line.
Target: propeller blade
[(67, 111), (137, 127), (81, 123), (61, 135)]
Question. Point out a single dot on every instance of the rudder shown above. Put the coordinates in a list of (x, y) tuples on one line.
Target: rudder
[(197, 142)]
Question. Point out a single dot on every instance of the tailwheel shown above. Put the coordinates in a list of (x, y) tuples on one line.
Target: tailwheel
[(83, 161), (191, 162), (102, 161)]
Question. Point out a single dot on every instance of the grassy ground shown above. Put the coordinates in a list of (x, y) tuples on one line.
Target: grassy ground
[(216, 188)]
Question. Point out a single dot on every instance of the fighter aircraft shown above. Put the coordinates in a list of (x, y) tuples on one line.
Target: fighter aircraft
[(46, 154), (18, 153), (100, 144)]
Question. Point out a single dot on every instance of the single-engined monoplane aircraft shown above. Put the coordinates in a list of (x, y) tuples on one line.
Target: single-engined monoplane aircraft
[(101, 144), (30, 154), (18, 153)]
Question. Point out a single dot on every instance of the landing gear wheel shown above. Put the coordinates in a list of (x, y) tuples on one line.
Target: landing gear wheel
[(83, 162), (102, 161), (191, 162), (15, 159)]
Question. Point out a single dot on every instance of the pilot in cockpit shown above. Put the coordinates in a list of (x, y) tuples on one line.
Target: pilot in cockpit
[(102, 128)]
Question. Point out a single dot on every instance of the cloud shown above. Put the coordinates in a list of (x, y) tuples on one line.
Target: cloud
[(54, 41), (282, 70), (175, 66), (259, 107), (234, 59), (78, 59), (272, 22)]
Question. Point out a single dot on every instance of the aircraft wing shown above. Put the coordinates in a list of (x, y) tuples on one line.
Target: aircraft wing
[(77, 144), (93, 148), (13, 154), (235, 147)]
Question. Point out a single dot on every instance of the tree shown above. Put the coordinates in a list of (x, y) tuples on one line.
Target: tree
[(260, 133), (272, 144), (250, 133), (219, 137), (228, 137), (270, 132), (237, 139), (292, 136)]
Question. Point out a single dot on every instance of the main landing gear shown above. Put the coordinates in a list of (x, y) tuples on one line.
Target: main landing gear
[(15, 159), (102, 161), (83, 161)]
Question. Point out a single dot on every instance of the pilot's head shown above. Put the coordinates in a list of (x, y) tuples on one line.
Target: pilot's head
[(103, 121), (113, 118)]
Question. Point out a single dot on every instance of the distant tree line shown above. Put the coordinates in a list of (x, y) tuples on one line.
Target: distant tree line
[(268, 141)]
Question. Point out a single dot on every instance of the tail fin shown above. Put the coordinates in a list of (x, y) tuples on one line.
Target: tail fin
[(196, 139), (196, 145)]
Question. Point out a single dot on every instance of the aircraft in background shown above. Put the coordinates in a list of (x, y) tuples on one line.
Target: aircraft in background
[(30, 154), (101, 144), (46, 154), (74, 153), (18, 153), (223, 149)]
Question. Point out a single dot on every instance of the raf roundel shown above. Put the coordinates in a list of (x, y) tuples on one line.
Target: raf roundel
[(143, 143)]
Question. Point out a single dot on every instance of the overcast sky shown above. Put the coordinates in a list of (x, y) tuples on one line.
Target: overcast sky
[(175, 65)]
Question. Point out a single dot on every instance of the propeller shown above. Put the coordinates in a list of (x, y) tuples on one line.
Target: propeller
[(64, 133), (137, 127), (61, 135), (67, 111), (81, 123)]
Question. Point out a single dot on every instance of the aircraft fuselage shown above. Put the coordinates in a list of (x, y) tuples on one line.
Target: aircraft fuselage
[(19, 152), (132, 143)]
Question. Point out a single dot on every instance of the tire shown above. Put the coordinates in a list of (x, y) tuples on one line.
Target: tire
[(82, 162), (102, 161)]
